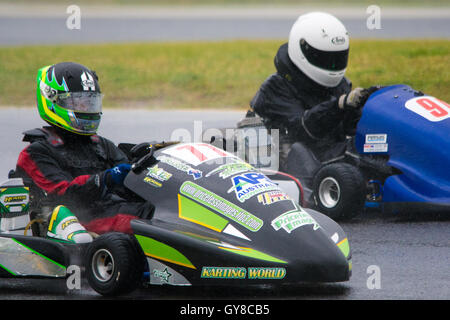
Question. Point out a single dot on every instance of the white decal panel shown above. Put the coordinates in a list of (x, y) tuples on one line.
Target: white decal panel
[(196, 153), (430, 108)]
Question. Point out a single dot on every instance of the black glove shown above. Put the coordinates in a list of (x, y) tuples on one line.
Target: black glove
[(351, 119)]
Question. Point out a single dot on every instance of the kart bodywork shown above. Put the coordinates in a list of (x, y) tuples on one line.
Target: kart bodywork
[(218, 220), (413, 131)]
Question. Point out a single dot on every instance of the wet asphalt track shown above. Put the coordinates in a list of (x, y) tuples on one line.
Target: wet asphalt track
[(412, 252)]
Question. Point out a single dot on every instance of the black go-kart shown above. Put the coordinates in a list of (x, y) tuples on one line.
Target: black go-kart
[(218, 221)]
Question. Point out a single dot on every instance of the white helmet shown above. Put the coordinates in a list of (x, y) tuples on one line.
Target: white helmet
[(318, 46)]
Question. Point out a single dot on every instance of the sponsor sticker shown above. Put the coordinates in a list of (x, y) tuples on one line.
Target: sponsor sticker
[(291, 220), (266, 273), (67, 223), (375, 147), (181, 166), (338, 40), (152, 182), (272, 197), (87, 81), (243, 273), (376, 138), (197, 174), (15, 199), (231, 169), (224, 272), (163, 275), (221, 205), (158, 173), (250, 184)]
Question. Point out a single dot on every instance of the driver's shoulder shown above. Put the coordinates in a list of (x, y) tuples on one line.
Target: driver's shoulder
[(41, 138)]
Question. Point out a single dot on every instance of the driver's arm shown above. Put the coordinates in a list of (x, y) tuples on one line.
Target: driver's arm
[(38, 164), (276, 102), (318, 121)]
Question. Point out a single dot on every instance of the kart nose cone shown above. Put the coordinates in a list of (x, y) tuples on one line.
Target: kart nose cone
[(322, 270), (318, 259)]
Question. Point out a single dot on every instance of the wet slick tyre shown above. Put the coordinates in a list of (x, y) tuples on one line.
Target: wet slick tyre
[(114, 264), (339, 191)]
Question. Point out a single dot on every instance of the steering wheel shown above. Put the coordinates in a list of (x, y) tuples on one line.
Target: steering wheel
[(142, 157)]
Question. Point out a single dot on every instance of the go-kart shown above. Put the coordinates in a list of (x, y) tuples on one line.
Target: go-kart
[(218, 221), (400, 153), (398, 160)]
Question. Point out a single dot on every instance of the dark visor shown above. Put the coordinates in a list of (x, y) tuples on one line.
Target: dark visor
[(328, 60)]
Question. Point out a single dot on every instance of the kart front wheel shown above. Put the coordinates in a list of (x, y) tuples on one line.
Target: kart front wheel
[(114, 264), (339, 191)]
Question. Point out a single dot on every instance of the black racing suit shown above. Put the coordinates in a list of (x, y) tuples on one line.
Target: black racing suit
[(304, 112), (70, 170)]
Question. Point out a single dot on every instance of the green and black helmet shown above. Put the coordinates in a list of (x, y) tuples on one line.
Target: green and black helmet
[(68, 96)]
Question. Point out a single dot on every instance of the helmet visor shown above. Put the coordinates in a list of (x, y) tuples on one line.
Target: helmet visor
[(85, 123), (83, 102), (328, 60)]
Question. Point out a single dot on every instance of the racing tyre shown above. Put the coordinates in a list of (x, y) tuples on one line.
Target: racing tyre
[(114, 264), (339, 191)]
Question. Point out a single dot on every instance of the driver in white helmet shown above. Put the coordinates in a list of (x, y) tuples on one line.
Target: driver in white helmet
[(308, 99)]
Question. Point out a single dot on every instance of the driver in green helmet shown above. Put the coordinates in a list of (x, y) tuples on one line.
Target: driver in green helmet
[(79, 173)]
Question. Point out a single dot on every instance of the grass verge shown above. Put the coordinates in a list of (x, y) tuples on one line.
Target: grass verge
[(214, 74)]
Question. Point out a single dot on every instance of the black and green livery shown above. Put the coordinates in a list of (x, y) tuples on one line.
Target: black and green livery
[(204, 232), (217, 221)]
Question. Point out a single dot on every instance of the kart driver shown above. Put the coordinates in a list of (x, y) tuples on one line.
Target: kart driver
[(308, 98), (80, 172)]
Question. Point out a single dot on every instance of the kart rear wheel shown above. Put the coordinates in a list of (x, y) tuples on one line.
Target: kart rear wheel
[(339, 191), (114, 264)]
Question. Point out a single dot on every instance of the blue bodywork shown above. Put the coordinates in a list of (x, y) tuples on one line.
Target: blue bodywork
[(417, 146)]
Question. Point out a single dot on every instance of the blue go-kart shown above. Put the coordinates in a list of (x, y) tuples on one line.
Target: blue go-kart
[(398, 161)]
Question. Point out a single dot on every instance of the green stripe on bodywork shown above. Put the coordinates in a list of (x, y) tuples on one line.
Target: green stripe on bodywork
[(197, 236), (40, 255), (194, 212), (162, 251), (8, 270), (344, 246), (252, 253)]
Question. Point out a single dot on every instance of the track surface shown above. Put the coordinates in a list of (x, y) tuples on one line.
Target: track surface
[(38, 24), (412, 254)]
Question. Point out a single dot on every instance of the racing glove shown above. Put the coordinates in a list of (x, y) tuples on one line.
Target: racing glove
[(116, 175), (354, 99)]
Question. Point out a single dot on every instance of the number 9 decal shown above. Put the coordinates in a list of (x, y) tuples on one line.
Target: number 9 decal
[(430, 108)]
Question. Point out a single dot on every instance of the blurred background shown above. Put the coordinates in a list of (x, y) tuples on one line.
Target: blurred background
[(212, 53)]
